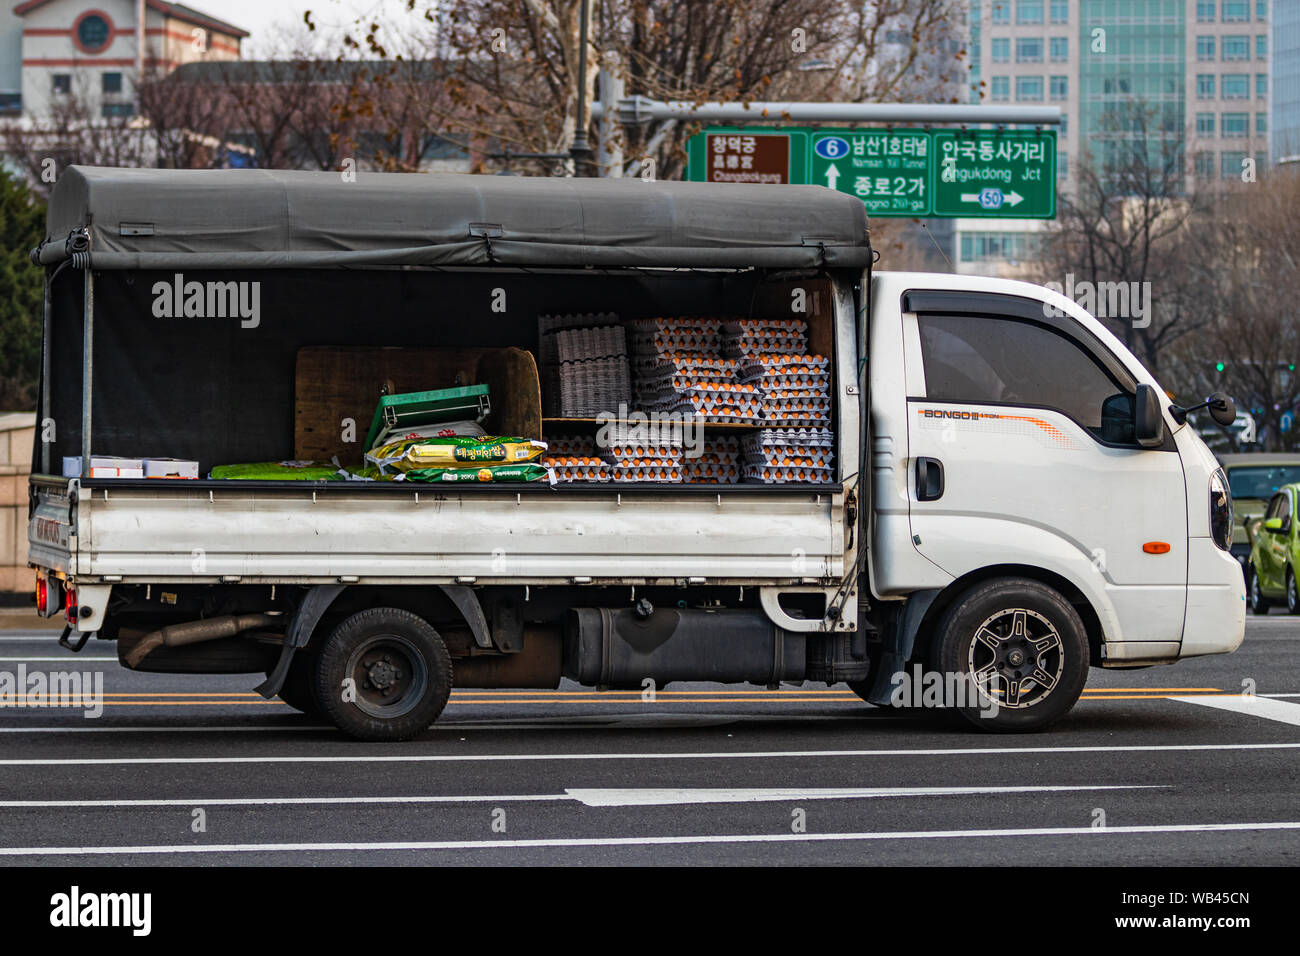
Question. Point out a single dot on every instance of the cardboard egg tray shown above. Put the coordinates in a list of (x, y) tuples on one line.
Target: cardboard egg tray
[(770, 475), (798, 437), (777, 380), (710, 473), (571, 446), (548, 359), (577, 468), (755, 346), (790, 456), (785, 418), (623, 473), (676, 324), (779, 326), (785, 365), (677, 344), (790, 394)]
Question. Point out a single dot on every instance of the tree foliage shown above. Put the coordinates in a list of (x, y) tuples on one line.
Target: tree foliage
[(22, 226)]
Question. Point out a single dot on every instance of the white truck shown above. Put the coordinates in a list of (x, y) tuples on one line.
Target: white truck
[(1012, 497)]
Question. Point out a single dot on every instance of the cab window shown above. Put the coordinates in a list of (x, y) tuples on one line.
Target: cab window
[(1005, 361)]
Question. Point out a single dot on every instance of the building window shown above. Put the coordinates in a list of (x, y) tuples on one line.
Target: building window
[(1261, 47), (1060, 49), (1261, 9), (1236, 86), (1029, 50), (979, 246), (1060, 86), (1261, 124), (1001, 11), (1204, 124), (1001, 89), (61, 83), (1236, 11), (1261, 85), (1063, 131), (117, 110), (1205, 48), (1204, 165), (1001, 49), (1060, 11), (92, 33), (1205, 11), (1029, 88), (1235, 125), (1236, 48), (1205, 86), (1029, 11), (111, 83), (1230, 164)]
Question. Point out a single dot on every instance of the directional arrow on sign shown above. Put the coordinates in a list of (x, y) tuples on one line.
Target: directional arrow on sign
[(832, 175), (1013, 198), (970, 197)]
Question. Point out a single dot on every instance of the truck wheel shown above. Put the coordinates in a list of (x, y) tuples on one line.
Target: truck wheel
[(1258, 603), (382, 674), (1292, 598), (1019, 653)]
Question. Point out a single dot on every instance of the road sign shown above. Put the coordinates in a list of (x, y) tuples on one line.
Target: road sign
[(747, 156), (980, 174), (990, 173), (889, 170)]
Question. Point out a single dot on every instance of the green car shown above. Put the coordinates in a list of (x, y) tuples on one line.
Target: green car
[(1254, 478), (1275, 555)]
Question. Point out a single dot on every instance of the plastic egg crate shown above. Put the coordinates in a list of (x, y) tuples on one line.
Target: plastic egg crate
[(798, 437), (756, 346), (782, 366), (571, 446), (710, 473)]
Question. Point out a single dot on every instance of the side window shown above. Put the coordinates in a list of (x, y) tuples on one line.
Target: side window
[(1273, 507), (1284, 506), (1016, 362)]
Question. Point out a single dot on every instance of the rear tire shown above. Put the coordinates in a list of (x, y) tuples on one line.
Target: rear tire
[(1254, 593), (1292, 597), (382, 674), (1022, 645)]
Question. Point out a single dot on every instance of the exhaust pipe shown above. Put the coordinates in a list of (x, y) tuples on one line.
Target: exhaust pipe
[(196, 632)]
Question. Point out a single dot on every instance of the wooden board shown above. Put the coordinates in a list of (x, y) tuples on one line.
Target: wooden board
[(336, 389)]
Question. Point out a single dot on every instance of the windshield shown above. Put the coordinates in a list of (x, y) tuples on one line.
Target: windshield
[(1261, 482)]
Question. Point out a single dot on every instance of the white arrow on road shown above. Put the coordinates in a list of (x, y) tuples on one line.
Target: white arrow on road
[(832, 175), (1013, 198)]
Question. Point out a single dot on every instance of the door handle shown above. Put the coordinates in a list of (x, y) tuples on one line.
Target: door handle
[(929, 479)]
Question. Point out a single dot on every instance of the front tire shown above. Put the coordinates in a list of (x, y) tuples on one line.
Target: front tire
[(382, 674), (1022, 646), (1255, 593), (1292, 597)]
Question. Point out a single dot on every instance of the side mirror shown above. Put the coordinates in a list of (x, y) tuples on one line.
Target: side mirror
[(1277, 525), (1148, 424), (1222, 408)]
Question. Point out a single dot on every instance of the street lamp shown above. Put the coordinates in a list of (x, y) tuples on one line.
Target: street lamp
[(581, 149)]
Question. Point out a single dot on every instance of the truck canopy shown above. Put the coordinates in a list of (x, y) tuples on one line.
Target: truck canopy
[(150, 219)]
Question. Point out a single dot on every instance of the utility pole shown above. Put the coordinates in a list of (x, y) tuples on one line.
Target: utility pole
[(609, 145)]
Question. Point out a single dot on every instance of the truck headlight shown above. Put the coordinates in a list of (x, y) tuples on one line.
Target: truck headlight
[(1220, 510)]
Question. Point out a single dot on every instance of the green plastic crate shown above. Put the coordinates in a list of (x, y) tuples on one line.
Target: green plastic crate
[(396, 413)]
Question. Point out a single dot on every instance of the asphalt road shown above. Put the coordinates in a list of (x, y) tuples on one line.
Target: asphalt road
[(1180, 768)]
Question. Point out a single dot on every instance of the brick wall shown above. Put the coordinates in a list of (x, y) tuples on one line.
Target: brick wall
[(17, 431)]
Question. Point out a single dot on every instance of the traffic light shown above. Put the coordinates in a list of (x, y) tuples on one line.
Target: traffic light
[(1219, 366)]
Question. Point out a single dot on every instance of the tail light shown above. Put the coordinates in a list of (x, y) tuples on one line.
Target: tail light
[(1220, 510), (70, 604), (42, 595)]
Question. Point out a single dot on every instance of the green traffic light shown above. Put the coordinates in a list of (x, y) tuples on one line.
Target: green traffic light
[(1219, 366)]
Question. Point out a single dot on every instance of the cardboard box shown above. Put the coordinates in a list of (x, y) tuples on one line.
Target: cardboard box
[(170, 468), (104, 466)]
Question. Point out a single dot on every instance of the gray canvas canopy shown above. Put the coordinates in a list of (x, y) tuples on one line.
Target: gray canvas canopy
[(263, 219)]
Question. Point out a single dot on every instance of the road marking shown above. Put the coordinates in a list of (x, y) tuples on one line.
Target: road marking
[(593, 797), (77, 729), (641, 841), (713, 755), (65, 657), (1268, 708)]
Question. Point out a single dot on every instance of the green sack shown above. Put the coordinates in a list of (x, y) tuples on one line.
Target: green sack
[(279, 471), (527, 472)]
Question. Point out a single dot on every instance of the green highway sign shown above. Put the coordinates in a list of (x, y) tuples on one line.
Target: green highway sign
[(943, 173)]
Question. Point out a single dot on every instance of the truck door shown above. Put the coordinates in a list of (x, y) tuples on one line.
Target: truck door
[(1022, 452)]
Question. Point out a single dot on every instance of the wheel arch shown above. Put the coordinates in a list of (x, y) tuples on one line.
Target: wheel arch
[(1067, 589)]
